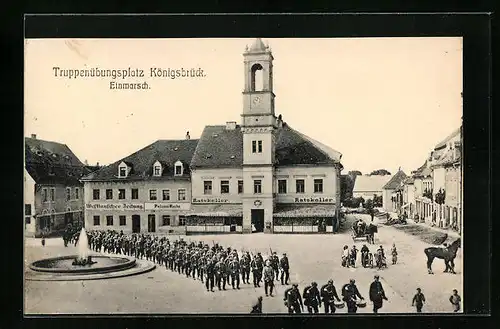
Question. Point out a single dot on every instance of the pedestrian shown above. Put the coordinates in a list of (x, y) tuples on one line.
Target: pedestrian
[(285, 269), (418, 300), (328, 294), (455, 300), (43, 239), (345, 256), (394, 253), (257, 307), (268, 278), (312, 298), (377, 294), (351, 293)]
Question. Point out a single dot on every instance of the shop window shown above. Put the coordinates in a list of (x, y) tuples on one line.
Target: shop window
[(109, 220), (318, 186), (207, 187), (135, 194), (165, 220), (121, 194), (123, 220), (299, 186), (152, 195), (240, 187), (224, 186), (182, 220), (165, 195), (109, 194), (97, 220), (257, 186), (282, 186), (96, 194)]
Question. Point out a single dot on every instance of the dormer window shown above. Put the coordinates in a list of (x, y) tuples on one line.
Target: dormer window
[(123, 170), (157, 169), (179, 168)]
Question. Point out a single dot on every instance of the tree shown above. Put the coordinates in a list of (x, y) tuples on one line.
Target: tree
[(380, 172), (354, 173), (377, 200), (346, 187)]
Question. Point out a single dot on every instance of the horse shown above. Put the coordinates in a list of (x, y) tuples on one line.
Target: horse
[(448, 255)]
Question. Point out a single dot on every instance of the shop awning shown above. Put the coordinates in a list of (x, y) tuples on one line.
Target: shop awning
[(305, 211), (219, 210)]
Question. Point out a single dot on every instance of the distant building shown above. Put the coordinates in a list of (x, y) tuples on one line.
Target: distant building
[(392, 198), (367, 186), (53, 194)]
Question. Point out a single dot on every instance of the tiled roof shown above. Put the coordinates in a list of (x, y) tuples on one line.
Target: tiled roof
[(367, 183), (445, 141), (167, 152), (423, 171), (395, 181), (409, 180), (52, 163), (222, 148)]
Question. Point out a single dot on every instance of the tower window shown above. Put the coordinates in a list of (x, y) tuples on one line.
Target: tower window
[(257, 78), (257, 186)]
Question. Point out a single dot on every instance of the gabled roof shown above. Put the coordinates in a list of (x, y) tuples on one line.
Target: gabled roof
[(52, 163), (395, 181), (443, 143), (367, 183), (222, 148), (141, 162)]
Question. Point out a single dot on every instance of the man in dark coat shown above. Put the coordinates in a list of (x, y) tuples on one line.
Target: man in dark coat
[(377, 294), (285, 270), (418, 300), (351, 293), (312, 298), (210, 275), (293, 299), (328, 293)]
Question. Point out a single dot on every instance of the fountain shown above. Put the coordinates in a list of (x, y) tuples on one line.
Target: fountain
[(83, 266)]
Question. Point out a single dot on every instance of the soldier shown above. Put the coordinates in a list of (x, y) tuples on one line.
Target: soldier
[(210, 272), (377, 294), (351, 293), (275, 263), (202, 263), (194, 265), (268, 278), (328, 293), (220, 274), (235, 273), (187, 263), (311, 298), (354, 255), (227, 263), (285, 269), (293, 300), (256, 273), (245, 268)]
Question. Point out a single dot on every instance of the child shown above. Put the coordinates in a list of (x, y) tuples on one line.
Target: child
[(455, 300), (418, 300), (394, 254)]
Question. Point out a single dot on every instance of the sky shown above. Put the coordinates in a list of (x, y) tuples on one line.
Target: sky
[(381, 102)]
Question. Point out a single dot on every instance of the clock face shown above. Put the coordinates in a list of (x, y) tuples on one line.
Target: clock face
[(256, 100)]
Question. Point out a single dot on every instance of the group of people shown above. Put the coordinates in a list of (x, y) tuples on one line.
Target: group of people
[(349, 256), (215, 266)]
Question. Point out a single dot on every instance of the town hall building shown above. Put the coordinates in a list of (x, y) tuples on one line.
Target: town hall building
[(259, 175)]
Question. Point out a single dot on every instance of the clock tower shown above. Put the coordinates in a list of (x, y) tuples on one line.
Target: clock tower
[(258, 128)]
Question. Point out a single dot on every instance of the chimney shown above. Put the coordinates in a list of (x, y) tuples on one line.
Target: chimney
[(33, 136), (231, 125), (97, 164), (280, 121), (187, 135), (86, 162)]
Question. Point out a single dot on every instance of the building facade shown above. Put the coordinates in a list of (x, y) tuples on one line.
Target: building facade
[(148, 191), (53, 194), (392, 198), (367, 186)]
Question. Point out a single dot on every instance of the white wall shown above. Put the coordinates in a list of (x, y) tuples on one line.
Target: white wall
[(439, 176), (198, 177), (29, 198)]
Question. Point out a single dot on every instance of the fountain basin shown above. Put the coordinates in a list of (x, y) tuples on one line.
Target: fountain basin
[(64, 265)]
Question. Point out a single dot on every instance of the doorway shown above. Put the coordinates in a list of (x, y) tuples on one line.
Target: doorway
[(136, 224), (151, 223), (258, 220)]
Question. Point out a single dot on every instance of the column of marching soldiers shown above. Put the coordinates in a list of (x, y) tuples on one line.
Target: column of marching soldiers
[(217, 267)]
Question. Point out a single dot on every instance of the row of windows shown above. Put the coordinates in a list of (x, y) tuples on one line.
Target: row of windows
[(153, 194), (45, 194), (300, 186), (166, 220)]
